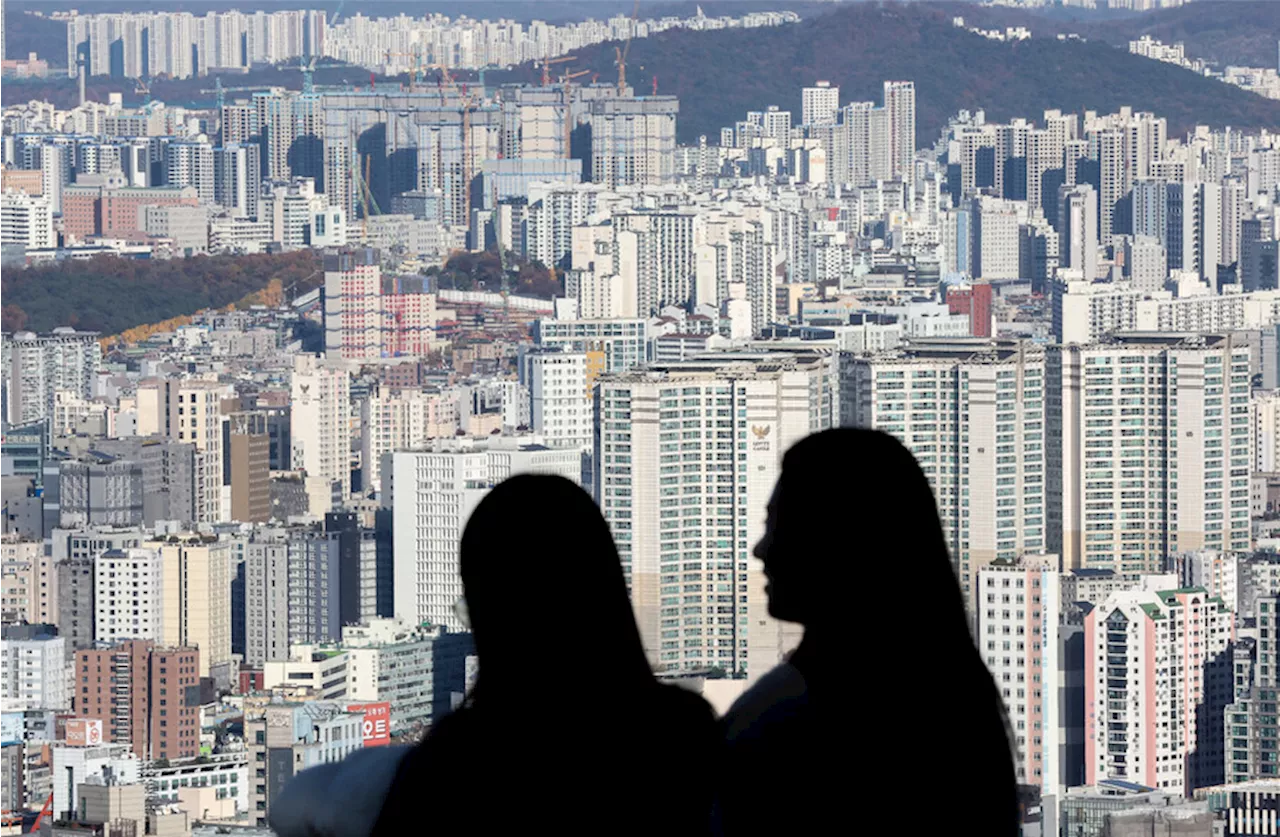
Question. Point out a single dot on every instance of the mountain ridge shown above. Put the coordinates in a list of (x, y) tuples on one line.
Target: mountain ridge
[(721, 75)]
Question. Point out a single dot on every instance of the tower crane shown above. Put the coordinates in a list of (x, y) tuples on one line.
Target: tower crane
[(546, 67), (622, 52), (416, 74), (309, 67)]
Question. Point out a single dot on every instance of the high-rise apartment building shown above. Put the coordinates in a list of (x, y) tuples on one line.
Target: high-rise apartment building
[(995, 246), (39, 366), (392, 420), (147, 696), (189, 410), (26, 221), (819, 104), (76, 602), (363, 319), (190, 164), (237, 178), (431, 494), (128, 595), (900, 105), (1115, 184), (1078, 230), (633, 141), (1157, 678), (559, 397), (195, 593), (181, 45), (303, 584), (33, 669), (1148, 449), (973, 414), (1251, 748), (29, 580), (686, 455), (320, 426), (248, 471), (622, 344), (1018, 607)]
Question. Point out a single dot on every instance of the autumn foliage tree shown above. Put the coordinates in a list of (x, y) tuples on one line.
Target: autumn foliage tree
[(111, 294)]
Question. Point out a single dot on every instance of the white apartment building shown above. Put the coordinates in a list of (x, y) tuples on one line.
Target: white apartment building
[(1086, 312), (1018, 609), (28, 581), (624, 343), (995, 246), (1264, 410), (195, 595), (300, 217), (128, 591), (1078, 228), (973, 414), (686, 456), (1146, 653), (432, 494), (33, 674), (38, 366), (900, 106), (320, 424), (1149, 449), (191, 164), (819, 104), (402, 420), (26, 220), (559, 397)]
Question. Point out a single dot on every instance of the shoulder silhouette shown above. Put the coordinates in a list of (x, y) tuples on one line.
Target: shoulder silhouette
[(566, 729), (886, 677)]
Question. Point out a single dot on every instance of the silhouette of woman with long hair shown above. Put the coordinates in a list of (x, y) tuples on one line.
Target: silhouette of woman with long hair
[(886, 678), (566, 730)]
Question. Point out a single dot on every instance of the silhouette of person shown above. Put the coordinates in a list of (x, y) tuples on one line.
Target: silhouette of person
[(566, 730), (886, 677)]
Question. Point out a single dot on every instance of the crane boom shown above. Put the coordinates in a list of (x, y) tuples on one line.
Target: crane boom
[(622, 52)]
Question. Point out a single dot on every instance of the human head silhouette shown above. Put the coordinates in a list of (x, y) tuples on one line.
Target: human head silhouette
[(851, 506), (539, 568)]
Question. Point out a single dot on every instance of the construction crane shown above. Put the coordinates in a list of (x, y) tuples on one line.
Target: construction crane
[(622, 52), (44, 812), (309, 67), (566, 81), (416, 74), (546, 67), (142, 87)]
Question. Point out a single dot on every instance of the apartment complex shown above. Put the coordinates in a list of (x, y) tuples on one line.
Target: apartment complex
[(1019, 609), (973, 414), (320, 428), (686, 455), (1148, 445), (1157, 679), (38, 366), (431, 494)]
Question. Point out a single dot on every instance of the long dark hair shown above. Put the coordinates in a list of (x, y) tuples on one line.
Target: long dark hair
[(541, 572), (850, 489)]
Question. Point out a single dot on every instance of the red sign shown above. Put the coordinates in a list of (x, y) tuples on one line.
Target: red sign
[(377, 722)]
